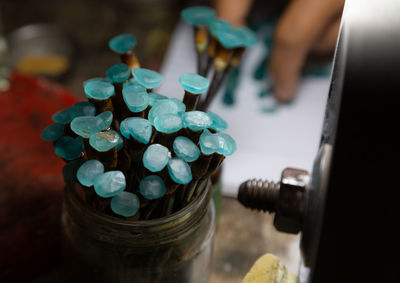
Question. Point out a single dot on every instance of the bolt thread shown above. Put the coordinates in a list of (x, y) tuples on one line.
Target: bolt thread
[(259, 194)]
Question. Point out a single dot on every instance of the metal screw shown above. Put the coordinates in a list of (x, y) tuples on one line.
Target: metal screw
[(259, 194), (286, 198)]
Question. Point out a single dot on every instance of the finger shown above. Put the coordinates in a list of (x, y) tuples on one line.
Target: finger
[(233, 11), (300, 25), (327, 41)]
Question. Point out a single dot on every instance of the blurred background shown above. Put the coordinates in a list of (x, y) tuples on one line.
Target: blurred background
[(47, 49), (72, 36)]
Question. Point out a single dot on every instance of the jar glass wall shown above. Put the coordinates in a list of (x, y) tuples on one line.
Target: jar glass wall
[(101, 248)]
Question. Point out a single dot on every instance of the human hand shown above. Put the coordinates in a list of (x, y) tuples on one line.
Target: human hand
[(306, 26)]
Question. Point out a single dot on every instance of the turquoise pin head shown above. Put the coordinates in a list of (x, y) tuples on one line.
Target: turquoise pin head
[(109, 184), (122, 43), (194, 83), (198, 15), (118, 73), (152, 187), (147, 78)]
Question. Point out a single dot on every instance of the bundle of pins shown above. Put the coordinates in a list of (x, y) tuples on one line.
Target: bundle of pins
[(219, 47), (135, 154)]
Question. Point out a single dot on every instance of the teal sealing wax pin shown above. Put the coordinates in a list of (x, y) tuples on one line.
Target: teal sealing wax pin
[(83, 108), (85, 126), (136, 99), (138, 128), (168, 123), (165, 106), (100, 93), (194, 85), (107, 143), (62, 116), (156, 157), (109, 184), (179, 171), (53, 132), (147, 78), (249, 39), (106, 118), (199, 17), (69, 148), (98, 79), (125, 204), (218, 124), (229, 41), (118, 73), (186, 149), (214, 27), (123, 45), (168, 126), (195, 122), (105, 140), (88, 172), (152, 187)]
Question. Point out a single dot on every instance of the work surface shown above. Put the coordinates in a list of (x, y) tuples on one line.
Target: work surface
[(267, 142)]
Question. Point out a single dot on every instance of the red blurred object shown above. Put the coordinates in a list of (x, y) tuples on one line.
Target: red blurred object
[(31, 179)]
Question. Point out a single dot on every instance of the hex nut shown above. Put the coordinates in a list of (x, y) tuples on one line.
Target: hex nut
[(291, 200)]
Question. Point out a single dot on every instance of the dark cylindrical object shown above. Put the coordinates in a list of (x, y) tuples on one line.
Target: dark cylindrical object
[(101, 248)]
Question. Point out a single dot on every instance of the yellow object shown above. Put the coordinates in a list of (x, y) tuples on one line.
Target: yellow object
[(268, 269), (43, 64)]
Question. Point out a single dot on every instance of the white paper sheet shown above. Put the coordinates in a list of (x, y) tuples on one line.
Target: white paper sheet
[(267, 142)]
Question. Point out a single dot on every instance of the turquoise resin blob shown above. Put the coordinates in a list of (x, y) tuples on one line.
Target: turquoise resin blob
[(194, 83), (152, 187), (198, 15), (109, 184), (154, 97), (249, 37), (105, 141), (186, 149), (118, 73), (168, 123), (139, 128), (216, 25), (122, 43), (85, 126), (135, 97), (125, 204), (156, 157), (165, 106), (218, 124), (106, 117), (179, 171), (104, 80), (230, 38), (69, 148), (62, 116), (147, 78), (88, 172), (53, 132), (83, 108), (99, 90), (196, 120), (208, 143), (226, 144)]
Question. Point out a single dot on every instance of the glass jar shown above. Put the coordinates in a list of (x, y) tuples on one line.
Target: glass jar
[(101, 248)]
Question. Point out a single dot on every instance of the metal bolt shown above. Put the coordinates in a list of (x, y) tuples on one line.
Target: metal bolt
[(286, 198)]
